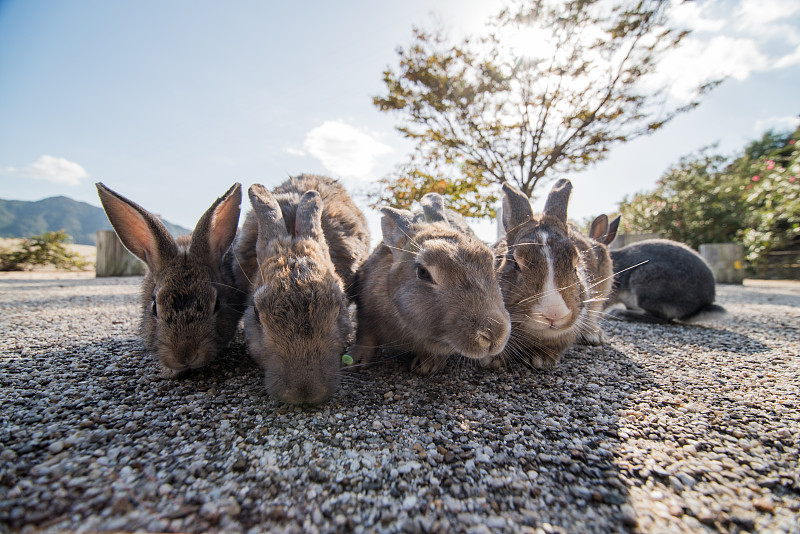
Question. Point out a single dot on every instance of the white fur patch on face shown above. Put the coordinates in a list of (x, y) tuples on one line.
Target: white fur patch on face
[(551, 312)]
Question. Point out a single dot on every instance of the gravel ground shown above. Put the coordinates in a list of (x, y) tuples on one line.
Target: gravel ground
[(665, 429)]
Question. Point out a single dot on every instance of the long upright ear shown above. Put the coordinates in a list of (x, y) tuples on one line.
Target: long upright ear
[(516, 207), (215, 230), (139, 230), (308, 219), (611, 233), (599, 228), (396, 227), (269, 217), (499, 251), (558, 199), (433, 207)]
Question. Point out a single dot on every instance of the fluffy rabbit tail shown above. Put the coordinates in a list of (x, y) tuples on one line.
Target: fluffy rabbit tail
[(709, 312)]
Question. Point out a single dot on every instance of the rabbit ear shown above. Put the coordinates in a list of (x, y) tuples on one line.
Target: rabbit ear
[(499, 252), (268, 213), (433, 207), (611, 233), (139, 230), (599, 228), (557, 200), (308, 219), (396, 227), (516, 207), (215, 230), (602, 231)]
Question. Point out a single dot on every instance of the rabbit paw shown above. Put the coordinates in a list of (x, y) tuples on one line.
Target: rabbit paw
[(167, 372), (428, 364), (363, 353), (597, 337), (543, 360), (492, 362)]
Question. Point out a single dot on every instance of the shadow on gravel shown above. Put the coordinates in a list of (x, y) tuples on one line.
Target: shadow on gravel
[(82, 427), (96, 435), (529, 446)]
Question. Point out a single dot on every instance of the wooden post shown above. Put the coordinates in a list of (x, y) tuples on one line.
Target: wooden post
[(113, 259), (725, 260), (626, 239)]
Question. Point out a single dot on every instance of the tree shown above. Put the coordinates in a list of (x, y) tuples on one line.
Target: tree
[(693, 203), (41, 250), (772, 198), (753, 198), (482, 113)]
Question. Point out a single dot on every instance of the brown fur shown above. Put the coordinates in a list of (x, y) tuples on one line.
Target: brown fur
[(190, 303), (458, 310), (582, 277), (298, 324), (344, 226)]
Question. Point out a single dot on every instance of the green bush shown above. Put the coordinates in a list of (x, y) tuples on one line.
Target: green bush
[(708, 198), (42, 250)]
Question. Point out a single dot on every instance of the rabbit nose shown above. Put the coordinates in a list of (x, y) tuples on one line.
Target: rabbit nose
[(554, 310), (189, 356), (304, 394), (555, 317), (484, 339)]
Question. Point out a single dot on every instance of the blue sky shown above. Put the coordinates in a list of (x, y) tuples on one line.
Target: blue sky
[(169, 103)]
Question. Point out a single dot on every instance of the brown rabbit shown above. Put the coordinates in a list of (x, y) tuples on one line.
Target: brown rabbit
[(345, 228), (554, 279), (191, 305), (298, 324), (428, 289)]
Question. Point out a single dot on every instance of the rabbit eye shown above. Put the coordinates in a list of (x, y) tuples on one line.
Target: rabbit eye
[(255, 311), (424, 274), (216, 305), (154, 308)]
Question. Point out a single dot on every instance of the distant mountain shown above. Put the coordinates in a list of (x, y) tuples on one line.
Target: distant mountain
[(19, 218)]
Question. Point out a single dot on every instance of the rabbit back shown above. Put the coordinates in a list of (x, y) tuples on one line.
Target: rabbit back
[(661, 280), (343, 224)]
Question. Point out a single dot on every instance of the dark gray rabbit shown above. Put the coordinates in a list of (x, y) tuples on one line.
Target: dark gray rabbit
[(191, 305), (659, 280)]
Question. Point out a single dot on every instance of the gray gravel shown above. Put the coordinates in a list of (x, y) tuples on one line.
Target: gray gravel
[(665, 429)]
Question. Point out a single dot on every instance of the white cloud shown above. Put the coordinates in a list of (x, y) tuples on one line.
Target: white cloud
[(52, 169), (788, 60), (697, 61), (294, 151), (778, 123), (730, 39), (696, 17), (758, 15), (769, 21), (344, 150)]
